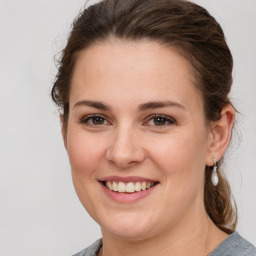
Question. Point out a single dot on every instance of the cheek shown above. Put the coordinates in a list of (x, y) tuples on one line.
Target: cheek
[(85, 155), (180, 155), (181, 161), (85, 152)]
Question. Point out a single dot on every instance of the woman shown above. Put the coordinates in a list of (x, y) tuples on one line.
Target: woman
[(146, 119)]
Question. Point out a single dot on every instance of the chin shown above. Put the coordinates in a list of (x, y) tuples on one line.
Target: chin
[(128, 228), (129, 233)]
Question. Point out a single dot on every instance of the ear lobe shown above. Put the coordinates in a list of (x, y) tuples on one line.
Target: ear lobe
[(63, 132), (221, 131)]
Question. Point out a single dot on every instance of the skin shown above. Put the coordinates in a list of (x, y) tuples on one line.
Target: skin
[(127, 142)]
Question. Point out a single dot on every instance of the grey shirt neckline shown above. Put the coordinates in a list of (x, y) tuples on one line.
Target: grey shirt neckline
[(233, 245)]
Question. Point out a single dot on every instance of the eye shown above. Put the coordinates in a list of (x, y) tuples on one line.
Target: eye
[(94, 120), (160, 120)]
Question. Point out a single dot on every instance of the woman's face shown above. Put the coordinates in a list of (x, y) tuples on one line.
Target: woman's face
[(136, 124)]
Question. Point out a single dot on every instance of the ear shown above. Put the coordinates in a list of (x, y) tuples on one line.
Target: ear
[(63, 132), (220, 134)]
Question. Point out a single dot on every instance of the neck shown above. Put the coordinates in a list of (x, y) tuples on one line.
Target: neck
[(197, 238)]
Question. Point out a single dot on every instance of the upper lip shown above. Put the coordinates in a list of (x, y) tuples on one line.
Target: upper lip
[(126, 179)]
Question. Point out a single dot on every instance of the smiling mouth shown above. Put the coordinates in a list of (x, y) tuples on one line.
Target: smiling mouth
[(129, 187)]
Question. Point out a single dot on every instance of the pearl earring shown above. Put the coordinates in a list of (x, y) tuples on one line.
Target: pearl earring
[(215, 178)]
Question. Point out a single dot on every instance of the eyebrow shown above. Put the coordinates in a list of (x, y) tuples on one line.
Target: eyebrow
[(142, 107), (94, 104), (160, 104)]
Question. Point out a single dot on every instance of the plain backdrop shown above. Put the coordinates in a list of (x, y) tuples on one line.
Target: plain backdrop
[(39, 211)]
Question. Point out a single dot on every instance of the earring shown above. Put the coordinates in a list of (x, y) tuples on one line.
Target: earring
[(215, 178)]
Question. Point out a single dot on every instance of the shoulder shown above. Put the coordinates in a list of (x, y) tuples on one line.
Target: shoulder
[(92, 250), (234, 245)]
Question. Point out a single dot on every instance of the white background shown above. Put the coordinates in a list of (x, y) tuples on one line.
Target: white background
[(39, 211)]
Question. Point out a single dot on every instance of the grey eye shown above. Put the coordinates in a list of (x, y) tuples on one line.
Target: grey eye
[(97, 120), (158, 121), (94, 120)]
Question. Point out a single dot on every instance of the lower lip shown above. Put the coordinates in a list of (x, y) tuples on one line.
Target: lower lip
[(127, 197)]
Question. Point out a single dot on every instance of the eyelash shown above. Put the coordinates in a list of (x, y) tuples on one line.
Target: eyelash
[(166, 119), (86, 119)]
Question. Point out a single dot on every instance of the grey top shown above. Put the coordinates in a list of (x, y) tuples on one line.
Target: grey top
[(233, 245)]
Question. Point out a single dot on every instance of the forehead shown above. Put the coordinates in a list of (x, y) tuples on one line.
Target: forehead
[(119, 71)]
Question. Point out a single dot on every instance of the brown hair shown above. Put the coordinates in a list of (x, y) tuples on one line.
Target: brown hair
[(181, 25)]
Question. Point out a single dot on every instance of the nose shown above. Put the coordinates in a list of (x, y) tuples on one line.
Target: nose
[(125, 148)]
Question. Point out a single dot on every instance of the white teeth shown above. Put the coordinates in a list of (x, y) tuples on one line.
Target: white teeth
[(114, 186), (109, 185), (121, 187), (137, 186), (129, 187)]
